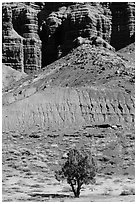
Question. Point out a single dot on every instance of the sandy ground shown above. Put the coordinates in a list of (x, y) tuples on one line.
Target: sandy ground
[(28, 168), (38, 188)]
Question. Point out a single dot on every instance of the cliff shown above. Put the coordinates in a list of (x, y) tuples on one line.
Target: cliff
[(44, 32), (123, 24), (21, 46)]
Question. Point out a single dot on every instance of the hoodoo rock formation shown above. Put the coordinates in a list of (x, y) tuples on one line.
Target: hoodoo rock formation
[(21, 43), (12, 47), (36, 34)]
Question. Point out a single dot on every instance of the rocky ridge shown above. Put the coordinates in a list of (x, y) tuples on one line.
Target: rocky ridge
[(96, 88)]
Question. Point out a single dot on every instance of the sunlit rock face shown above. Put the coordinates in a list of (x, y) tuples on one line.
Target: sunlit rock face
[(21, 46), (12, 46), (36, 34)]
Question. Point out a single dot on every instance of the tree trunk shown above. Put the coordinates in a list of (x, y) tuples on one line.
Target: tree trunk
[(78, 188), (77, 194), (73, 189)]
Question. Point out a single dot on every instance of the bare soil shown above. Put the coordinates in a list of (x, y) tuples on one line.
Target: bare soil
[(29, 162)]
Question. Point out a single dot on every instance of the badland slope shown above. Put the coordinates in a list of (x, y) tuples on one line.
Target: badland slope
[(89, 85)]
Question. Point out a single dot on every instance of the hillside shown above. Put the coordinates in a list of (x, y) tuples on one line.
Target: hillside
[(85, 97), (10, 76)]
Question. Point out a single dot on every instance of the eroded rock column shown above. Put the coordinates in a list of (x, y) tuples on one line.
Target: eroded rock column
[(12, 42), (32, 43)]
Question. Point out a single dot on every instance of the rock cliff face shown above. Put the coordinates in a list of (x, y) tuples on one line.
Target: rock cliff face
[(58, 24), (21, 48), (12, 47), (123, 24), (65, 24)]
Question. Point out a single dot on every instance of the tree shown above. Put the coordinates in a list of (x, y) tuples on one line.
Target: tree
[(79, 168)]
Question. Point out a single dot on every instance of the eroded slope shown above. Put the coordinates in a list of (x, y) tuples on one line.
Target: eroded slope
[(89, 85), (84, 99)]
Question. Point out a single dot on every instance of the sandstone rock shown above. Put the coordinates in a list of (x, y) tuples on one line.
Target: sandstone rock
[(94, 40), (123, 23), (22, 52), (12, 42), (85, 90), (80, 41), (32, 43), (67, 23), (98, 41), (59, 23)]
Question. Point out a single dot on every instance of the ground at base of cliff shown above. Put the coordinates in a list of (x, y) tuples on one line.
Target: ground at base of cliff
[(106, 189), (29, 162)]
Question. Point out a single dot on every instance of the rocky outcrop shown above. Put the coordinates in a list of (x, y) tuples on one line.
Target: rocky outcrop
[(58, 24), (84, 66), (123, 24), (12, 42), (21, 51), (88, 86), (69, 22), (32, 43), (95, 41)]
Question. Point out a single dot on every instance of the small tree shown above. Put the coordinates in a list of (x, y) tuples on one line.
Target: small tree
[(78, 169)]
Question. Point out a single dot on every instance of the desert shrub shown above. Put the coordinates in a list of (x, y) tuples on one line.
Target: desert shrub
[(128, 191), (78, 169)]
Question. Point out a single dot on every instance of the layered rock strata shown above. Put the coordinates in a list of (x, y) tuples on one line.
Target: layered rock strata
[(59, 23), (21, 51), (123, 23), (32, 43), (12, 42), (64, 25)]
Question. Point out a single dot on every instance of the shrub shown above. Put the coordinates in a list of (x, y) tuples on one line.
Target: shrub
[(128, 191), (79, 168)]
